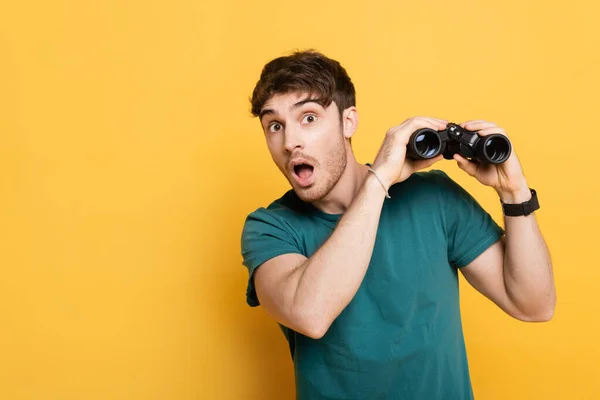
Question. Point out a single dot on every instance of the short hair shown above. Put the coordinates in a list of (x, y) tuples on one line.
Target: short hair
[(305, 71)]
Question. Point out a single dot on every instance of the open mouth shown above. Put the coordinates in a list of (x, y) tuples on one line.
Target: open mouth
[(303, 171)]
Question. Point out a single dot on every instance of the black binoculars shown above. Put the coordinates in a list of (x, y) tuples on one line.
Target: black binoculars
[(428, 143)]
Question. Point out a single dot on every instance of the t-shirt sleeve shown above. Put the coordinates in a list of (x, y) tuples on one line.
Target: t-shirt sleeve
[(264, 236), (470, 229)]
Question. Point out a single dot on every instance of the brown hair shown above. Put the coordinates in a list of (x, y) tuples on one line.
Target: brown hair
[(305, 71)]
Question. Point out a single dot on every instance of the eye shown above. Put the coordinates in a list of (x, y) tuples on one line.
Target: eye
[(274, 127), (310, 118)]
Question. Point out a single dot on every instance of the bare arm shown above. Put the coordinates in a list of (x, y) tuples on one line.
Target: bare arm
[(308, 294), (516, 272), (528, 272)]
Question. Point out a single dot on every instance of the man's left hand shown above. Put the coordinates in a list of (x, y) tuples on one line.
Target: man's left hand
[(506, 178)]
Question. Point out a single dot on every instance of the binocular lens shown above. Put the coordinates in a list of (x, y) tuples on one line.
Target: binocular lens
[(497, 149), (428, 144)]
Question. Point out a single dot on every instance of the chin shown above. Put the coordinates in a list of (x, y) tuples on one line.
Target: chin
[(307, 195), (303, 193), (313, 193)]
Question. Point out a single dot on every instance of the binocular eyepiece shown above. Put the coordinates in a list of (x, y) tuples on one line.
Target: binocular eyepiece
[(428, 143)]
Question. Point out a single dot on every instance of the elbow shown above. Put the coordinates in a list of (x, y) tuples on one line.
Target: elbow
[(316, 331), (312, 325), (548, 312), (540, 317), (542, 314), (315, 328)]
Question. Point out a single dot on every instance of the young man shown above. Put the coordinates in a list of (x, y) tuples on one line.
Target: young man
[(359, 265)]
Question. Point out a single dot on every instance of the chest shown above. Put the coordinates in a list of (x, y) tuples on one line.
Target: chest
[(409, 275)]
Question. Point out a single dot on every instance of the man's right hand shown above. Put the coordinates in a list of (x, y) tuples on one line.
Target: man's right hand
[(391, 163)]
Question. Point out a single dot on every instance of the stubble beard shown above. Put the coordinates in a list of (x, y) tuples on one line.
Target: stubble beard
[(333, 168)]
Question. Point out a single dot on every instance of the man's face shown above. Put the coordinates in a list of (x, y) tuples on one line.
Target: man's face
[(306, 142)]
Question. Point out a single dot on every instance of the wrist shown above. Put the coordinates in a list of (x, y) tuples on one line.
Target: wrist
[(378, 180), (518, 196)]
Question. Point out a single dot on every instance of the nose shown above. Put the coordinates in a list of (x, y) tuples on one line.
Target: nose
[(293, 139)]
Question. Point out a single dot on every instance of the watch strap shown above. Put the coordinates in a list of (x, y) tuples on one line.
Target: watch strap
[(525, 208)]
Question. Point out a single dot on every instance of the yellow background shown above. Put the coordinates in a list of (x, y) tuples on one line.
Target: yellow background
[(129, 160)]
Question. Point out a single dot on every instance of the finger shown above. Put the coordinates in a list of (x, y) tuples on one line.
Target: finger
[(490, 131), (462, 124), (472, 120), (468, 166), (411, 125), (476, 126), (435, 123), (440, 120)]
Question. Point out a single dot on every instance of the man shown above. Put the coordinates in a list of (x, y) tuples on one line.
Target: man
[(359, 265)]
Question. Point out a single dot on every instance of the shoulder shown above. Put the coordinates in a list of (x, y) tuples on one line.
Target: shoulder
[(270, 231), (281, 216), (282, 209)]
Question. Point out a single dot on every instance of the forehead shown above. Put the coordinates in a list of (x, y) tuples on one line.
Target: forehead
[(285, 101)]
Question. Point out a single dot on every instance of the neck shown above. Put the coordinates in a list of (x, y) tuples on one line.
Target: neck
[(341, 196)]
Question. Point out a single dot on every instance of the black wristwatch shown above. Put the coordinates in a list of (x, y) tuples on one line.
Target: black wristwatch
[(525, 208)]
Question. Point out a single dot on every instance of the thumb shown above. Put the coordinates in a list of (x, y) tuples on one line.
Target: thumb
[(468, 166)]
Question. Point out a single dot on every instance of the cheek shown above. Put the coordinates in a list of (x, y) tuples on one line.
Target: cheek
[(325, 136), (272, 144), (333, 140), (276, 154)]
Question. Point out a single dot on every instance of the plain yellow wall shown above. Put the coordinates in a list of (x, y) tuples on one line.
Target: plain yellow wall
[(129, 160)]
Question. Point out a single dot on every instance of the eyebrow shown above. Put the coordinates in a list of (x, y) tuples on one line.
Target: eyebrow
[(268, 111)]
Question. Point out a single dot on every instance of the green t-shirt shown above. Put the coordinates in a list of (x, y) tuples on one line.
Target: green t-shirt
[(401, 335)]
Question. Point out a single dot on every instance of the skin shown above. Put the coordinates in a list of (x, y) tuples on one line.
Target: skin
[(296, 123), (316, 133), (307, 294)]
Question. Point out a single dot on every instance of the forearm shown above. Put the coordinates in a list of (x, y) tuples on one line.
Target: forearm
[(528, 275), (330, 278)]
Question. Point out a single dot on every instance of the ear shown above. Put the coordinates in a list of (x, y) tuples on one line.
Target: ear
[(349, 121)]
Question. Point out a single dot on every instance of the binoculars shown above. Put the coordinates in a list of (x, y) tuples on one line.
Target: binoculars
[(428, 143)]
